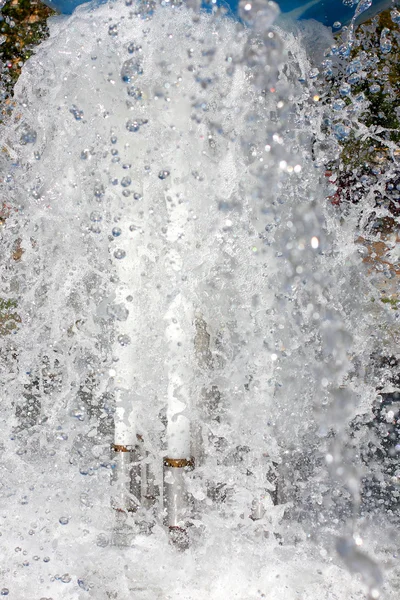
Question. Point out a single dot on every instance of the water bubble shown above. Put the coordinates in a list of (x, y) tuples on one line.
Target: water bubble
[(124, 339), (137, 196), (113, 139), (313, 73), (46, 559), (113, 30), (66, 578), (63, 520), (163, 174), (76, 112), (116, 232), (4, 592), (337, 25), (119, 254), (259, 14), (85, 154)]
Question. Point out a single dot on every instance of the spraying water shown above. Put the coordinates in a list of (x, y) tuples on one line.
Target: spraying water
[(183, 293)]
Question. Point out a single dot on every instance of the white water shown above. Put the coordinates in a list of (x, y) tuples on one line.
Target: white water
[(260, 258)]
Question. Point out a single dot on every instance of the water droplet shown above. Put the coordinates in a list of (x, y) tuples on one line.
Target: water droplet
[(359, 562), (126, 181), (4, 591), (135, 125), (113, 139), (131, 69), (119, 312), (83, 585), (28, 135), (345, 89), (133, 48), (124, 340), (76, 112), (116, 231), (362, 6), (96, 216), (374, 88), (259, 14), (395, 15), (338, 104), (46, 559), (135, 92), (113, 30), (341, 131), (163, 174), (102, 540), (337, 25), (66, 578), (98, 190), (137, 196), (385, 42), (119, 254), (63, 520)]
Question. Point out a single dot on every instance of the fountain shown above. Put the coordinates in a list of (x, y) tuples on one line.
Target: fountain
[(192, 329)]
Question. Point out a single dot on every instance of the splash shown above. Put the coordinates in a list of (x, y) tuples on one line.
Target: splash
[(177, 262)]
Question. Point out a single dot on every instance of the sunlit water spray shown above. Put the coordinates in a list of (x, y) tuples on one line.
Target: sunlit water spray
[(181, 287)]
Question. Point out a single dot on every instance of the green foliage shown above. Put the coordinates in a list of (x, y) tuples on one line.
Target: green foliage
[(393, 302), (22, 27), (9, 318), (381, 68)]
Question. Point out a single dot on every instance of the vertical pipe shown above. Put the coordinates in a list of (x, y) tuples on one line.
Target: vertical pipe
[(127, 443), (179, 334)]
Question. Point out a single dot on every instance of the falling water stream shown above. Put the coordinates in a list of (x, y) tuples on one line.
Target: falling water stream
[(164, 168)]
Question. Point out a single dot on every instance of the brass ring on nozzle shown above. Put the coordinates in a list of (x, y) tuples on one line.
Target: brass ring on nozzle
[(121, 448), (179, 463)]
